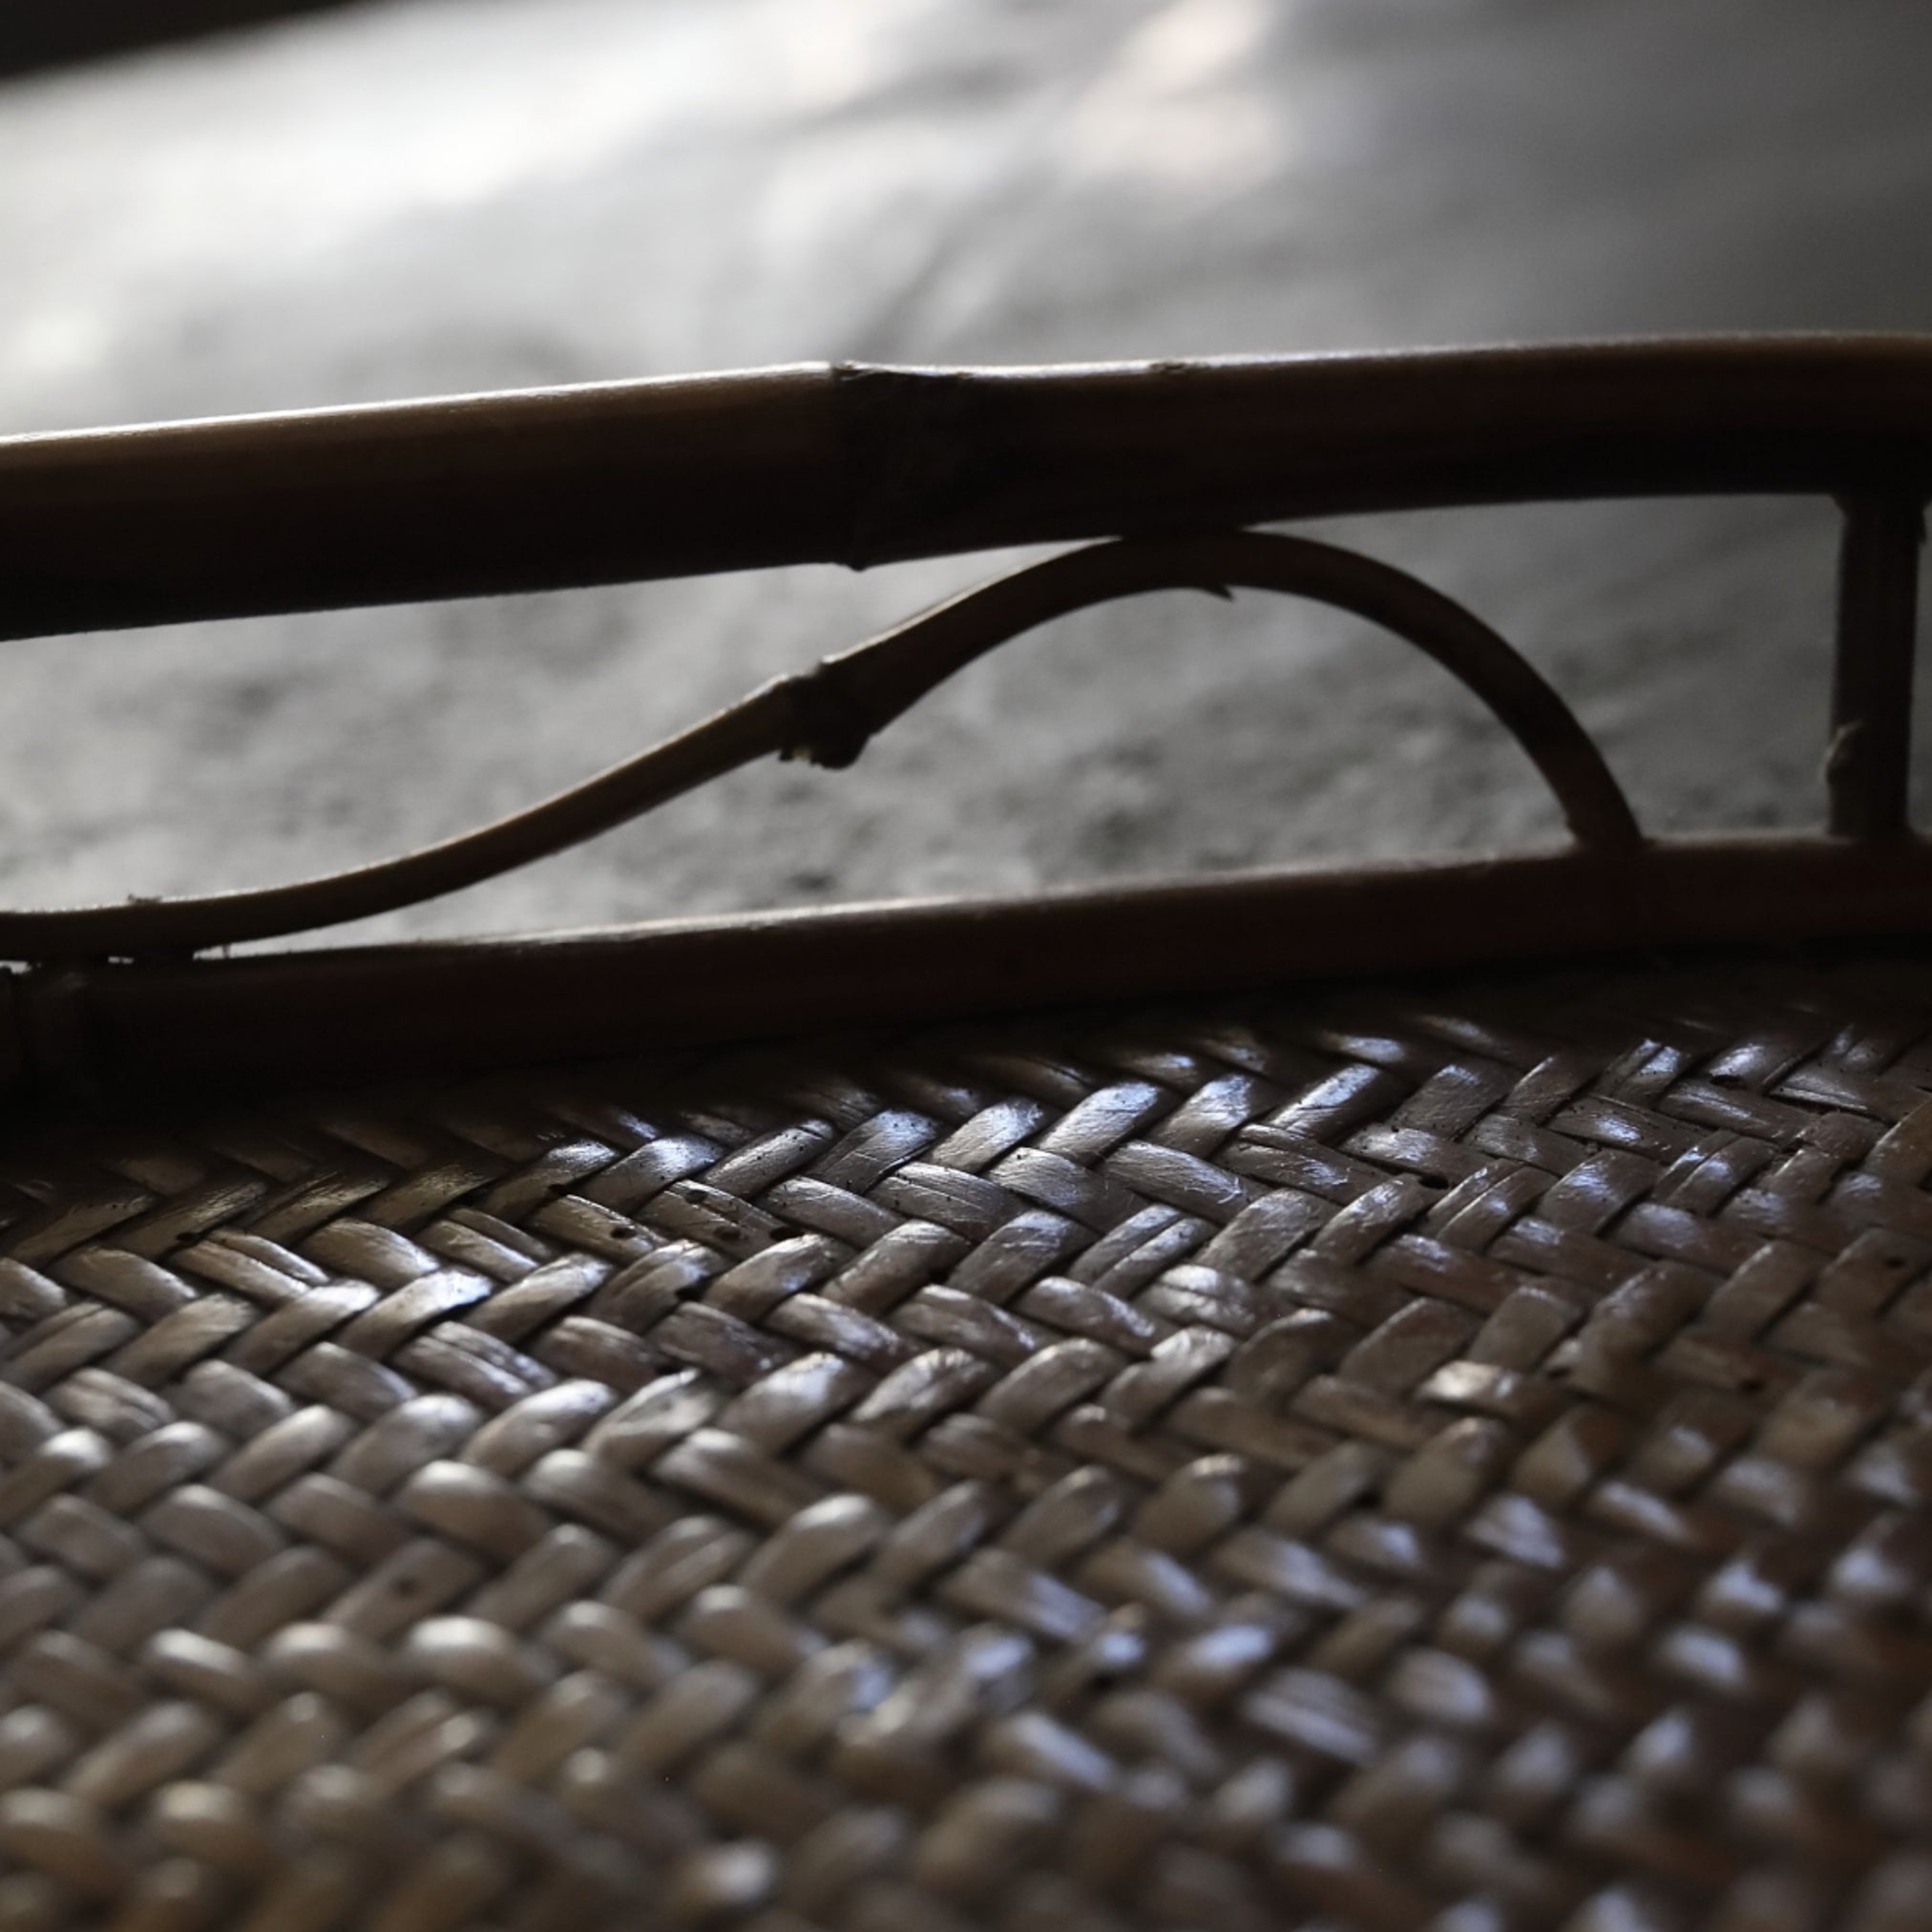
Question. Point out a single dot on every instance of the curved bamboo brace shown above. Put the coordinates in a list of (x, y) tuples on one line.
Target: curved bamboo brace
[(856, 694), (828, 713)]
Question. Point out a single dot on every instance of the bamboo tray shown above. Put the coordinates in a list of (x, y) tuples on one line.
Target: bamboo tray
[(1361, 1399)]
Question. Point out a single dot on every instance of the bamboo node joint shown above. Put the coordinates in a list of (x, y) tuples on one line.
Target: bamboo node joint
[(831, 726)]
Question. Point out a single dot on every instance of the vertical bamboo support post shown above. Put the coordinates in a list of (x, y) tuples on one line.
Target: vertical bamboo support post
[(1868, 764)]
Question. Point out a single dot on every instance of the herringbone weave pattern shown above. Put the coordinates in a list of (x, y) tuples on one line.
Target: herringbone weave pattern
[(1374, 1460)]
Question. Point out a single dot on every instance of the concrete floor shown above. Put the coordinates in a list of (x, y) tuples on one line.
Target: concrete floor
[(440, 195)]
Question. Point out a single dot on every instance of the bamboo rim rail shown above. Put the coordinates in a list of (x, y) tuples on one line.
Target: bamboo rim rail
[(859, 466), (849, 464), (363, 1013)]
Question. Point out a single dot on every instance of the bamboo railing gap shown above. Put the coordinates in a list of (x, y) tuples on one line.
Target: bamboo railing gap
[(828, 714)]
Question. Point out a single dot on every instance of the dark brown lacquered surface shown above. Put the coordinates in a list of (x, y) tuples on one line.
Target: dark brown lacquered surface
[(1386, 1458)]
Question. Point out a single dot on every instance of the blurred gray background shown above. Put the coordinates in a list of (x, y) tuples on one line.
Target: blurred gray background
[(410, 196)]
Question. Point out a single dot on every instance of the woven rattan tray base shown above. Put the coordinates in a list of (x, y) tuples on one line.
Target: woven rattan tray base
[(1369, 1460)]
